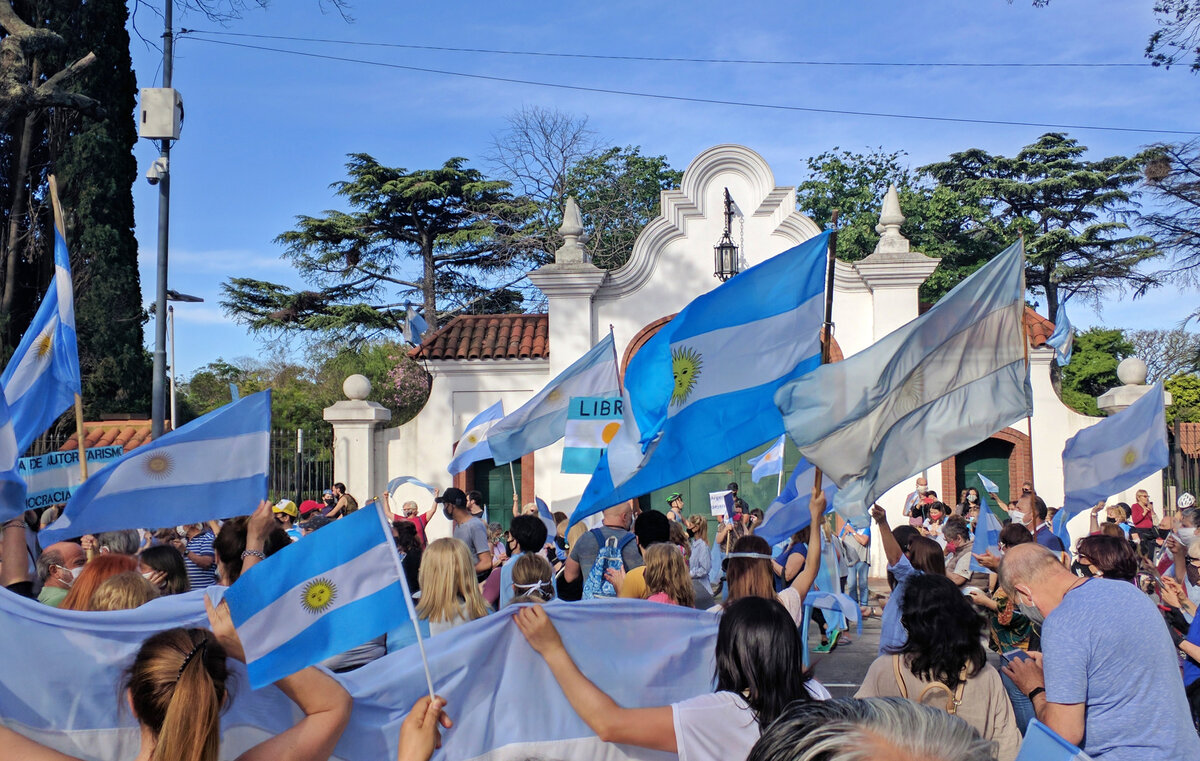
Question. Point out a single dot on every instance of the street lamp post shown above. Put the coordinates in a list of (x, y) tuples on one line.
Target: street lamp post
[(164, 216), (186, 298)]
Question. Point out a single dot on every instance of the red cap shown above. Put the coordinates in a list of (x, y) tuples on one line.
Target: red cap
[(308, 505)]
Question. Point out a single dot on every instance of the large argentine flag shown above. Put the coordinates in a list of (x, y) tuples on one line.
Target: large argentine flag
[(700, 391), (473, 446), (12, 486), (543, 419), (942, 383), (213, 467), (788, 513), (1115, 453), (42, 376), (321, 596), (483, 668)]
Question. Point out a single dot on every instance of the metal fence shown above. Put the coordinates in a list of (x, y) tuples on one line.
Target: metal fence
[(301, 464), (1183, 475)]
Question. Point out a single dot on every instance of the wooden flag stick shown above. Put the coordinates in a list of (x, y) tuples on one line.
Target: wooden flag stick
[(80, 433), (827, 323)]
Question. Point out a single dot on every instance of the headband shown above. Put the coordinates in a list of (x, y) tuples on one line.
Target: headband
[(754, 555), (203, 645), (534, 585)]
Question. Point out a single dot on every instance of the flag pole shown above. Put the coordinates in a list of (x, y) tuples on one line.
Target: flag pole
[(1028, 418), (616, 360), (779, 486), (512, 476), (827, 322), (412, 613), (80, 433)]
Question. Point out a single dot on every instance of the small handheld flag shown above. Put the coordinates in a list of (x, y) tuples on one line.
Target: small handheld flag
[(321, 596), (769, 463), (399, 481), (1062, 340), (988, 484)]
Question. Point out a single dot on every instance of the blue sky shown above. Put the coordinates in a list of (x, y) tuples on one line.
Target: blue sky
[(266, 133)]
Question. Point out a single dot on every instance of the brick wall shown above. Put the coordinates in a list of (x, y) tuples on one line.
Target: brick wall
[(1020, 466)]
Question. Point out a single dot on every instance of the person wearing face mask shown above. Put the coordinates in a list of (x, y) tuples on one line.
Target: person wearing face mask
[(970, 498), (58, 566), (958, 550), (195, 543), (1085, 685), (914, 503)]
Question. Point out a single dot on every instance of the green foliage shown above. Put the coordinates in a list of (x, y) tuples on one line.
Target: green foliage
[(618, 191), (301, 392), (1185, 398), (1071, 211), (461, 229), (1093, 368)]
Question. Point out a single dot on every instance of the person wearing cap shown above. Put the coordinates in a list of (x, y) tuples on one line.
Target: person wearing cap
[(675, 507), (329, 501), (286, 513), (468, 529)]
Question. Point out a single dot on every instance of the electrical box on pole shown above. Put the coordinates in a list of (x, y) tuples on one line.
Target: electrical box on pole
[(160, 114)]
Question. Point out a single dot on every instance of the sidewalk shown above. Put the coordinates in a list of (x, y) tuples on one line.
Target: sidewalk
[(842, 670)]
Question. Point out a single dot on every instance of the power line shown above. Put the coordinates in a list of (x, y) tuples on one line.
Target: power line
[(669, 59), (708, 101)]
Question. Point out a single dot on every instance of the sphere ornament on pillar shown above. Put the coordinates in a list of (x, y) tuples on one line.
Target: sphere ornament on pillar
[(356, 387), (1132, 371)]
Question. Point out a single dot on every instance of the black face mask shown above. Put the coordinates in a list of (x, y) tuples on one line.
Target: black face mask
[(448, 512)]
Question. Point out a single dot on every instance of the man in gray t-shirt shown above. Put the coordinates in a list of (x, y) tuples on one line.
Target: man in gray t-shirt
[(586, 548), (1108, 678), (468, 529)]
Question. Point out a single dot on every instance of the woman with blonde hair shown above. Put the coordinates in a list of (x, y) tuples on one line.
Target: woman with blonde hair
[(178, 686), (666, 576), (532, 579), (449, 592), (125, 591)]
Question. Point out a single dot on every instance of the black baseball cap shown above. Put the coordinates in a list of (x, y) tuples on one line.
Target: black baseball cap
[(453, 497)]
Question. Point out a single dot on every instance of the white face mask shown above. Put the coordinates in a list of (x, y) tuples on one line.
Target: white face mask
[(74, 574), (181, 531), (1187, 534), (1017, 516)]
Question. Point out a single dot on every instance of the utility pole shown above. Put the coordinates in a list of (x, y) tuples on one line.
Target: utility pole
[(158, 397)]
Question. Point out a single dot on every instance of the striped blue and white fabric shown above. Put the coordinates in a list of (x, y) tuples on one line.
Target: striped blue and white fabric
[(988, 484), (399, 481), (788, 513), (987, 535), (1116, 453), (1062, 340), (329, 592), (12, 486), (543, 419), (213, 467), (484, 669), (769, 463), (936, 386), (701, 390), (473, 446), (1041, 743), (42, 376)]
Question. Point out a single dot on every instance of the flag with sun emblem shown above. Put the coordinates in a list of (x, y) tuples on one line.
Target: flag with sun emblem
[(1116, 453), (42, 376), (769, 463), (543, 419), (213, 467), (474, 445), (929, 389), (332, 590), (701, 390)]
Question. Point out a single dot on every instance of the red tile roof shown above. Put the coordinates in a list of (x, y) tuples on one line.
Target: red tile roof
[(129, 434), (1189, 438), (1037, 327), (489, 336)]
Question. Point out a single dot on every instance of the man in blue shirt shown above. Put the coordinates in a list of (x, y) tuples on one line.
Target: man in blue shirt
[(1043, 532), (1116, 702)]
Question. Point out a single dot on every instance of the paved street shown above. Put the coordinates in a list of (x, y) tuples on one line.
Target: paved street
[(842, 670)]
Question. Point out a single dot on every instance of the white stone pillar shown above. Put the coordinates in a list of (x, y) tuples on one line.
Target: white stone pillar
[(356, 455)]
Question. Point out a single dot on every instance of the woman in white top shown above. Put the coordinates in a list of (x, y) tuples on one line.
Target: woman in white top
[(759, 672)]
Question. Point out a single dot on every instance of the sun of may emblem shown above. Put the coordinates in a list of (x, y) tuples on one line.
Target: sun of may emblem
[(1130, 457), (44, 345), (318, 595), (159, 465), (686, 364)]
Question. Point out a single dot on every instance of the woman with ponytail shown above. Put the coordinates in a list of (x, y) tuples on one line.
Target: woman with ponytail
[(177, 688)]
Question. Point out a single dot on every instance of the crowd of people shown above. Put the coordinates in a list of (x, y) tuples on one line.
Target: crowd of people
[(1098, 641)]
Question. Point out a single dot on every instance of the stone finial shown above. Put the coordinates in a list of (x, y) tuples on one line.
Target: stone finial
[(572, 230), (356, 387), (890, 219), (1132, 372)]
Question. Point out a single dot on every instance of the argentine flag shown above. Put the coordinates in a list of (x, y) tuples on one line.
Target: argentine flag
[(1116, 453), (543, 419), (329, 592), (933, 387), (700, 391), (987, 534), (1062, 340), (769, 463), (473, 446), (788, 513), (12, 486), (213, 467), (42, 376)]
